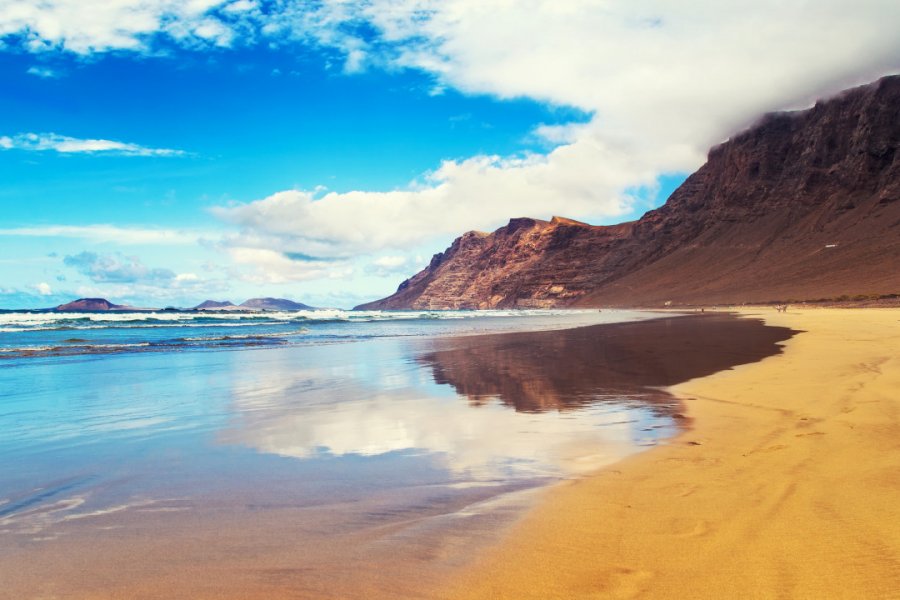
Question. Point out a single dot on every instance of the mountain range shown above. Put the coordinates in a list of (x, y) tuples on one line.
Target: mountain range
[(803, 205)]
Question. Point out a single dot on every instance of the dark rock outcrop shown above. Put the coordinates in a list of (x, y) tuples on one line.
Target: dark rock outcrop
[(803, 205)]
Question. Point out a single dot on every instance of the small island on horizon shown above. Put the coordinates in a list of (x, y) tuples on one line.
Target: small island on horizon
[(253, 304)]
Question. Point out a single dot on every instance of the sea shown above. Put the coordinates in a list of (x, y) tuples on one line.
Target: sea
[(45, 334), (338, 453)]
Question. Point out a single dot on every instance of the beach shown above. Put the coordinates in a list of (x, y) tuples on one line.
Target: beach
[(785, 485), (373, 464)]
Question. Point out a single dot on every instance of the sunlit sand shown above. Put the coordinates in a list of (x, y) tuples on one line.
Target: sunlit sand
[(786, 486)]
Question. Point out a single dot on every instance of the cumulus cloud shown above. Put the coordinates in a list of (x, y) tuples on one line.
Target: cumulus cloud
[(40, 142), (88, 27), (483, 192), (265, 266), (664, 81), (116, 268), (43, 289)]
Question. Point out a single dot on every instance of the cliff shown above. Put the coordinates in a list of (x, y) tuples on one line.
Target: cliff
[(802, 205)]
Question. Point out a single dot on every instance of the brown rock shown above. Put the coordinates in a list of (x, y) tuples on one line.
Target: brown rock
[(803, 205), (89, 305)]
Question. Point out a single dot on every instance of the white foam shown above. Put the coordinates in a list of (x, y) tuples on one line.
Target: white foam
[(23, 321)]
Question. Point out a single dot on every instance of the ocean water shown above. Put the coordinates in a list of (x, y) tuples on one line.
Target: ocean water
[(355, 448), (28, 334)]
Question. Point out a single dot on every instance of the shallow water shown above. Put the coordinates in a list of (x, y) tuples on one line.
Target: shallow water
[(38, 334), (318, 469)]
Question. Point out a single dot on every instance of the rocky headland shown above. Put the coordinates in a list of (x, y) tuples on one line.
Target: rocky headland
[(803, 205)]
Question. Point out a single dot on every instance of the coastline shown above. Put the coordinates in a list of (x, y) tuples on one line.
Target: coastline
[(786, 485), (279, 500)]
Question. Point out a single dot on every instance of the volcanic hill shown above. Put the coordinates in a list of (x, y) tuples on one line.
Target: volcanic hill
[(803, 205), (273, 304), (215, 305), (91, 305)]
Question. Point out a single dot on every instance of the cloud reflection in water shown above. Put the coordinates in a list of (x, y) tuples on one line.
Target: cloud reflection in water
[(396, 396)]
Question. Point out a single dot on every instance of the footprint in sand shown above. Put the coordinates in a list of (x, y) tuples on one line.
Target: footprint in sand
[(687, 528), (769, 449), (682, 490), (626, 583)]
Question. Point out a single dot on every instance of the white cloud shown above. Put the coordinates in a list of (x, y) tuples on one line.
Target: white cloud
[(241, 6), (391, 266), (481, 192), (390, 262), (672, 72), (264, 266), (663, 81), (88, 27), (43, 72), (39, 142), (117, 268), (108, 233), (43, 289)]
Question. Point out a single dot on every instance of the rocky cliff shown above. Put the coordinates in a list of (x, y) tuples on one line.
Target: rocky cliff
[(803, 205)]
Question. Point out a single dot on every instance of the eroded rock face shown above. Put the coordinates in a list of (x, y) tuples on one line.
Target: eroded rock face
[(802, 206)]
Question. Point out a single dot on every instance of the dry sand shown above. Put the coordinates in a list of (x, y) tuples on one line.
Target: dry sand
[(786, 486)]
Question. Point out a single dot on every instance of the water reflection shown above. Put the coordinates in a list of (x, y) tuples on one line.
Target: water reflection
[(359, 465), (537, 372), (581, 397), (392, 396)]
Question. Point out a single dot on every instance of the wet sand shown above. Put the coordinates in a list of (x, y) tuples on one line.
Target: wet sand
[(787, 485), (262, 525)]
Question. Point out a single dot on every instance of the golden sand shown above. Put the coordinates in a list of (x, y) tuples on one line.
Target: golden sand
[(786, 486)]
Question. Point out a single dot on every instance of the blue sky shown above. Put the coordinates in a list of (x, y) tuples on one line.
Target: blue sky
[(161, 153)]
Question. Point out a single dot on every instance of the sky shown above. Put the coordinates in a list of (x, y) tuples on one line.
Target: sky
[(163, 152)]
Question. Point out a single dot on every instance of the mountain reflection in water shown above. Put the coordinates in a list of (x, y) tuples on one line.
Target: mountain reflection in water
[(581, 397), (565, 370)]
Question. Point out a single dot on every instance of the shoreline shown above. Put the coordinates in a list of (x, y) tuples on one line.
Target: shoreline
[(785, 485), (255, 513)]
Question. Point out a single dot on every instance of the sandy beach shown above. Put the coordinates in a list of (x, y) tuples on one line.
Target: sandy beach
[(787, 485), (374, 469)]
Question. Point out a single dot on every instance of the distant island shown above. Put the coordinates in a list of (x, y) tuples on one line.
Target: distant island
[(215, 305), (273, 304), (92, 305), (251, 305)]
